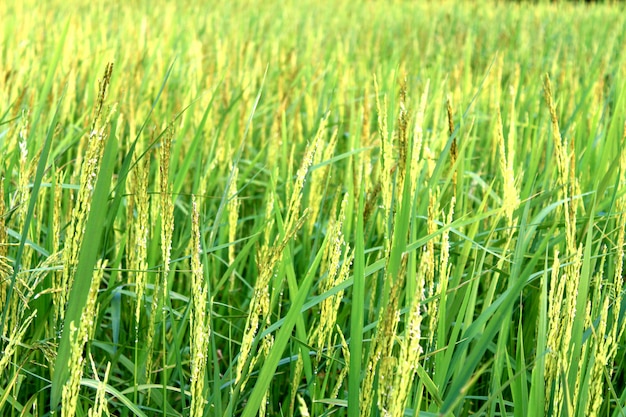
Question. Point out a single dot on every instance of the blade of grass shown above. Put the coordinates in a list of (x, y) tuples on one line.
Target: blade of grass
[(87, 259)]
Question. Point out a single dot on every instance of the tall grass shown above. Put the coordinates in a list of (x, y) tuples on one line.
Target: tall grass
[(287, 208)]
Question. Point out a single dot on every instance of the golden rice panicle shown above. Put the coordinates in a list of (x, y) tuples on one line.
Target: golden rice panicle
[(560, 152), (428, 263), (69, 396), (293, 210), (275, 141), (166, 203), (574, 188), (23, 191), (269, 209), (302, 407), (138, 262), (600, 345), (603, 358), (418, 138), (496, 83), (510, 199), (78, 338), (131, 214), (334, 253), (367, 115), (403, 141), (618, 280), (444, 269), (57, 212), (266, 346), (511, 140), (454, 152), (381, 350), (386, 150), (561, 314), (318, 181), (410, 345), (365, 163), (345, 350), (233, 217), (166, 207), (295, 382), (568, 282), (200, 330), (259, 308), (566, 172), (89, 172), (410, 351), (268, 258), (386, 392), (609, 343), (100, 404), (555, 307), (14, 339)]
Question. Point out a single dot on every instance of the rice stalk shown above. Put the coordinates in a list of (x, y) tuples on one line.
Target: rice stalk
[(161, 287), (386, 152), (411, 349), (560, 329), (337, 273), (381, 354), (565, 172), (199, 321), (318, 182), (79, 336), (295, 382), (138, 250), (268, 258), (598, 348), (428, 264), (345, 350), (100, 403), (553, 358), (233, 215), (609, 331), (510, 199), (302, 407), (403, 141), (14, 339), (258, 312), (293, 209), (89, 172)]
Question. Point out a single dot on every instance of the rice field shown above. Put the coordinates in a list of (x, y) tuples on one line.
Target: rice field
[(291, 208)]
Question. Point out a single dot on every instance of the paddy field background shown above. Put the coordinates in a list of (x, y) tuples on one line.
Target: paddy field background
[(358, 208)]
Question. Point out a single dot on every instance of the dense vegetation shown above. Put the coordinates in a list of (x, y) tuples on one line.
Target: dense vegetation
[(287, 208)]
